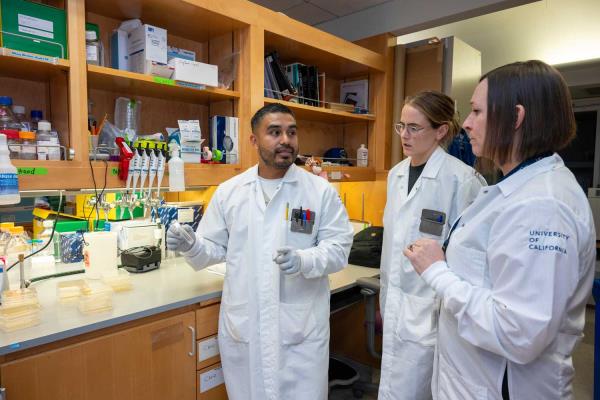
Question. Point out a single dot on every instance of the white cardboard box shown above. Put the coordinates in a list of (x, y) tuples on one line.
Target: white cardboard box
[(195, 72), (147, 44)]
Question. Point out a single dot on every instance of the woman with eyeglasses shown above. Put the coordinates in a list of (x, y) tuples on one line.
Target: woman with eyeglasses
[(425, 194), (519, 265)]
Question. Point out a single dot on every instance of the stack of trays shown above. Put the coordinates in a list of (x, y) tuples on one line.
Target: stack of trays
[(119, 281), (69, 291), (95, 297), (20, 309)]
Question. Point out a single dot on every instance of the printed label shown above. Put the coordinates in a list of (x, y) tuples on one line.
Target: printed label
[(208, 348), (190, 130), (91, 53), (114, 171), (36, 23), (211, 379), (185, 215), (31, 56), (9, 184), (32, 171), (163, 81), (36, 32)]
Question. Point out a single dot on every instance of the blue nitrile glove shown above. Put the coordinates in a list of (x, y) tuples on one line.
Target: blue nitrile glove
[(180, 237), (288, 259)]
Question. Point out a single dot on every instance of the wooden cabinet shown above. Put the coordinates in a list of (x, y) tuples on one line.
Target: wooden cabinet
[(217, 31), (153, 361)]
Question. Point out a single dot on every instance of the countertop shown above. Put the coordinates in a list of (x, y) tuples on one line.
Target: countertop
[(174, 285)]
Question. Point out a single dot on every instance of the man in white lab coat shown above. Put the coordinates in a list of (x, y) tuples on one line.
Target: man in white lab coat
[(281, 231)]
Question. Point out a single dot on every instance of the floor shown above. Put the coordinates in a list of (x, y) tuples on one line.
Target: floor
[(583, 358)]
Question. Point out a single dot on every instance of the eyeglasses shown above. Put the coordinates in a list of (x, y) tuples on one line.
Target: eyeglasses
[(411, 128)]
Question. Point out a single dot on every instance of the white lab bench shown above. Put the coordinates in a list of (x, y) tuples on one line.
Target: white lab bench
[(174, 285)]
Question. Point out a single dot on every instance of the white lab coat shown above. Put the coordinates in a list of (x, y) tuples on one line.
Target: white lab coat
[(274, 328), (408, 304), (519, 271)]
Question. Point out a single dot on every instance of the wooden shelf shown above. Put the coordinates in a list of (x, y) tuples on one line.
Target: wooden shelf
[(51, 174), (24, 65), (111, 79), (355, 174), (334, 65), (181, 18), (320, 114)]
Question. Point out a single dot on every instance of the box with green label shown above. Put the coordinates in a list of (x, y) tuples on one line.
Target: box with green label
[(33, 27)]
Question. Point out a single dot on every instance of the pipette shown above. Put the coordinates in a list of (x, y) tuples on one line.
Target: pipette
[(153, 167), (160, 169), (144, 166)]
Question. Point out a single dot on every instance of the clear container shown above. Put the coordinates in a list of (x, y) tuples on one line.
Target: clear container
[(14, 143), (28, 145), (127, 117), (47, 141), (5, 235), (44, 236), (21, 118), (36, 116), (18, 242), (7, 118), (93, 48)]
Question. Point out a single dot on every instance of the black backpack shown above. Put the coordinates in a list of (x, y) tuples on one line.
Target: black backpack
[(366, 249)]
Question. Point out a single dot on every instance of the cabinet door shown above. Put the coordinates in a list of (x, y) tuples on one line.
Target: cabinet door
[(151, 362)]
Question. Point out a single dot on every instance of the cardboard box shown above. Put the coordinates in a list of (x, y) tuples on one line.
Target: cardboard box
[(147, 44), (34, 28), (176, 52), (190, 136), (119, 56), (225, 137), (195, 72)]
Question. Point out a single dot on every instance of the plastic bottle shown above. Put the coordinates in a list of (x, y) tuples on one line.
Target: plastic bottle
[(4, 235), (362, 156), (20, 118), (9, 182), (45, 235), (36, 116), (176, 170), (47, 137), (127, 117), (7, 117), (14, 143), (28, 146)]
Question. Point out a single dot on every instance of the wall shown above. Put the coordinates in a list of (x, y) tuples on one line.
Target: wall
[(554, 31)]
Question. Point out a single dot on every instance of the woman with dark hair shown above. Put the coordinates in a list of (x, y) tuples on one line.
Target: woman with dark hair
[(426, 192), (519, 263)]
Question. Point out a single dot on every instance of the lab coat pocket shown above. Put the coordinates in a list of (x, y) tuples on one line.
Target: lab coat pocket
[(451, 385), (302, 241), (296, 322), (469, 264), (236, 321), (417, 319)]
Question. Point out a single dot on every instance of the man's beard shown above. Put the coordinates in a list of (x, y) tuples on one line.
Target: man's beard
[(268, 157)]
